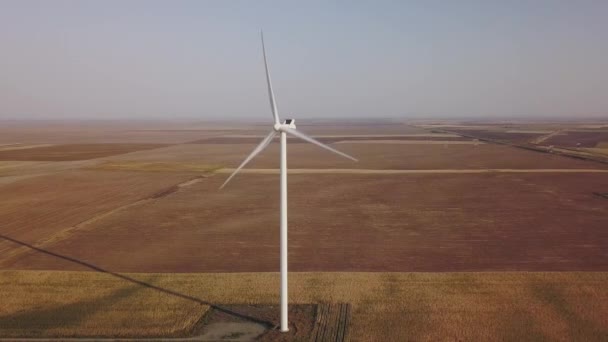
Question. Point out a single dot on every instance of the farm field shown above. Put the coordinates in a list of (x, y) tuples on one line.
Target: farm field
[(581, 140), (72, 151), (371, 156), (387, 306), (167, 132), (419, 222), (99, 132), (121, 230), (38, 209)]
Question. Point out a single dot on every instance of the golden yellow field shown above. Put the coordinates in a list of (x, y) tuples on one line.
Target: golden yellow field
[(386, 306), (90, 304)]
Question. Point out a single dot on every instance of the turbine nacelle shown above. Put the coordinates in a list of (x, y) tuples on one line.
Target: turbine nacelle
[(289, 123)]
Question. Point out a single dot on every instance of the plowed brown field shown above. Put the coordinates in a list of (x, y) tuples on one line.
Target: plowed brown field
[(73, 151), (43, 209), (423, 222), (371, 156), (578, 138)]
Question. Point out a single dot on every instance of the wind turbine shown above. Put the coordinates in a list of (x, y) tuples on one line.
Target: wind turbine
[(286, 127)]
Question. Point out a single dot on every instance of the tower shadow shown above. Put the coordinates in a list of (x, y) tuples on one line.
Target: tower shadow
[(267, 324)]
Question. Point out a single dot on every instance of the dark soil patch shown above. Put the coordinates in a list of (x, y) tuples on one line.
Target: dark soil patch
[(331, 323), (499, 135), (578, 139), (73, 152), (325, 140), (601, 194), (165, 192), (307, 322)]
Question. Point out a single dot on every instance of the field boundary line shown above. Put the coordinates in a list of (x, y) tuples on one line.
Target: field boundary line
[(395, 171), (66, 233)]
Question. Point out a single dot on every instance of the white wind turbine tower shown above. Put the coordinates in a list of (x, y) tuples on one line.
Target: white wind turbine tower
[(284, 128)]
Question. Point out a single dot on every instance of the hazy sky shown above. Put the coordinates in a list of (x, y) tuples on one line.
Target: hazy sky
[(202, 59)]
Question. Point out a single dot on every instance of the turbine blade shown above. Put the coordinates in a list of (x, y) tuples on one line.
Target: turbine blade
[(254, 153), (273, 103), (316, 142)]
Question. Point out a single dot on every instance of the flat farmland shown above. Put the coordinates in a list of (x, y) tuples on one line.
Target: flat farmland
[(419, 138), (371, 156), (356, 128), (428, 237), (72, 151), (514, 136), (134, 132), (165, 132), (401, 223), (385, 306), (561, 135), (578, 138), (40, 210)]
